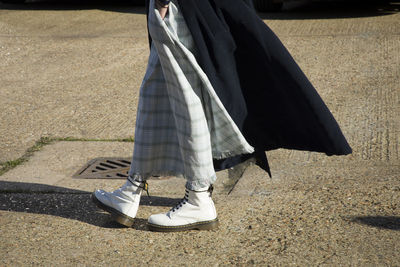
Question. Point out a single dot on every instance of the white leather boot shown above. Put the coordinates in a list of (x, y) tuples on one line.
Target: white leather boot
[(122, 203), (195, 211)]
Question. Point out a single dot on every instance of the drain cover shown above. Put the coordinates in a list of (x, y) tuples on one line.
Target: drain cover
[(105, 168)]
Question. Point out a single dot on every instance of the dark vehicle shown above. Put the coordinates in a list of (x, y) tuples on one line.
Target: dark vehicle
[(268, 5), (13, 1)]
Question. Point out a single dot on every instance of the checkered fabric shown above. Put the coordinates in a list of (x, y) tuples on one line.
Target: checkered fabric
[(181, 123)]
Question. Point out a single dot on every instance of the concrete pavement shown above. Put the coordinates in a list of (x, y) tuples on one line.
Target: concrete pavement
[(73, 70)]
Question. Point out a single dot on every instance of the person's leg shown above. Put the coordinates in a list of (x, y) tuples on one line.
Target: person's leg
[(123, 203), (196, 210)]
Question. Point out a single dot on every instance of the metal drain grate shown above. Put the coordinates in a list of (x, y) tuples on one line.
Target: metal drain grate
[(105, 168)]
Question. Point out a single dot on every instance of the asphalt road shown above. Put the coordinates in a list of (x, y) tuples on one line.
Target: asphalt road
[(73, 69)]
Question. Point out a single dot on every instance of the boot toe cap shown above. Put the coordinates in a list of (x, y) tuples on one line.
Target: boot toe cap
[(159, 219), (100, 195)]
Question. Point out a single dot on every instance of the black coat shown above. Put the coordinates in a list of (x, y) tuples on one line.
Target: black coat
[(261, 86)]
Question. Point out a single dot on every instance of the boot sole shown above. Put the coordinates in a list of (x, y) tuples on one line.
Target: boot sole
[(206, 225), (116, 215)]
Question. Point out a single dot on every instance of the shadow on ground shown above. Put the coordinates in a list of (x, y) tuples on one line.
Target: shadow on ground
[(386, 222), (304, 9), (66, 203)]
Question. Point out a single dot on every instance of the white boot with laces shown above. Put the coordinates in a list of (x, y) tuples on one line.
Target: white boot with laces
[(122, 203), (195, 211)]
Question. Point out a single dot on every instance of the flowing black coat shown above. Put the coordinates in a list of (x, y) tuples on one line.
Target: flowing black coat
[(261, 86)]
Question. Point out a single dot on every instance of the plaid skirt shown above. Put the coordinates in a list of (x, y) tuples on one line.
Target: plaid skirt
[(181, 124)]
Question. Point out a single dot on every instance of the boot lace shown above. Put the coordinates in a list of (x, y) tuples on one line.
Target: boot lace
[(182, 202), (143, 184)]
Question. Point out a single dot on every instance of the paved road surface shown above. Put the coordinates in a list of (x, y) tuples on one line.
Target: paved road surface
[(69, 69)]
